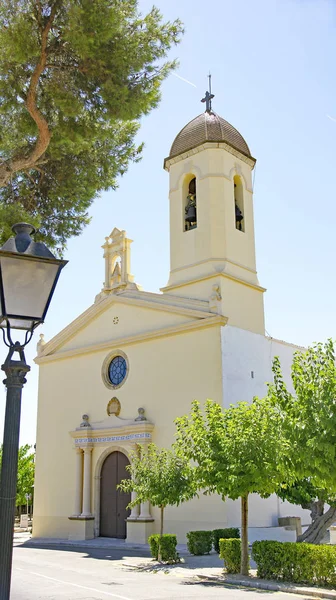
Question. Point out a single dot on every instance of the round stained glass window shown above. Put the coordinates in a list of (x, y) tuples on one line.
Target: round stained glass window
[(117, 370)]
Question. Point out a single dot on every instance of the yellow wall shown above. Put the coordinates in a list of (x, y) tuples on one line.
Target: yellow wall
[(215, 245), (216, 235), (165, 375), (242, 304), (132, 320)]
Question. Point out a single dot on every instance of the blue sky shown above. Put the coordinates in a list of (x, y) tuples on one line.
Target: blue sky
[(273, 74)]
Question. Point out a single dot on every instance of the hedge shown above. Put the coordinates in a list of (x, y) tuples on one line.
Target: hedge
[(199, 542), (224, 534), (168, 547), (296, 562), (230, 552)]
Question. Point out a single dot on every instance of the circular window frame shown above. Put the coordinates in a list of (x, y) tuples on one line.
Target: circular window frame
[(105, 369)]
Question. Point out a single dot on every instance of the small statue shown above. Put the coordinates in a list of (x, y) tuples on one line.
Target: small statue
[(116, 275), (85, 422), (216, 295), (190, 212), (141, 415), (40, 344), (215, 298)]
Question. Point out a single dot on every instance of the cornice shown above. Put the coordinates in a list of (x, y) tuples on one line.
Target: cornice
[(204, 323), (169, 301), (168, 162), (212, 276)]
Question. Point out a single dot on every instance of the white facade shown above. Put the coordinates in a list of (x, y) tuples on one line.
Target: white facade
[(247, 360)]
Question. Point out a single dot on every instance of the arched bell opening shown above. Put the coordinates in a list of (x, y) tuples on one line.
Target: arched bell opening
[(189, 203), (239, 203)]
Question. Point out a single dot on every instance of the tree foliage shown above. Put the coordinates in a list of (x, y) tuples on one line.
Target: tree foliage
[(76, 77), (159, 476), (237, 451), (311, 430), (26, 472)]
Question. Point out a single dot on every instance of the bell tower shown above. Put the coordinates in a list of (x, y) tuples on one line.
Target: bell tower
[(212, 244)]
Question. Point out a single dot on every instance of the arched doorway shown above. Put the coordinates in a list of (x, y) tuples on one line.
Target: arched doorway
[(113, 502)]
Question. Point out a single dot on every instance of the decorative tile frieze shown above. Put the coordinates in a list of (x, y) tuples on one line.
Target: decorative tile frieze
[(113, 438)]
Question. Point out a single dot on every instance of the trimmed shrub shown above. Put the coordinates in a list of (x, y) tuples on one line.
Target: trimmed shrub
[(224, 534), (199, 542), (299, 563), (230, 552), (168, 547)]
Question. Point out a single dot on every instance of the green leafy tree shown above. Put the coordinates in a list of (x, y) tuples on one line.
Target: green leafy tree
[(26, 472), (161, 477), (310, 414), (237, 451), (76, 77)]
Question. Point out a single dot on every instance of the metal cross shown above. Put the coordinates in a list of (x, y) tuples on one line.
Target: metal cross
[(208, 97)]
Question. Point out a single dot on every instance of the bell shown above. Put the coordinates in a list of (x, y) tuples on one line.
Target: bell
[(239, 218), (239, 214), (191, 214)]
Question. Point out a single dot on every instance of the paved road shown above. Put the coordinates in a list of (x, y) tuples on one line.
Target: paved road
[(99, 574)]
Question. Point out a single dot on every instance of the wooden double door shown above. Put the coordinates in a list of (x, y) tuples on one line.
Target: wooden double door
[(113, 502)]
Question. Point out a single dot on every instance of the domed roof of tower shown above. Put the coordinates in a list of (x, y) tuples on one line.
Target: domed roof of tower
[(208, 127)]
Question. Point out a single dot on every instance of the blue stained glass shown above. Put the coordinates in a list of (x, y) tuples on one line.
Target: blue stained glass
[(117, 370)]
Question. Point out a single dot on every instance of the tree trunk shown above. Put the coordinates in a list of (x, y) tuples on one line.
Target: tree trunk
[(20, 163), (161, 532), (244, 565), (317, 509), (317, 530)]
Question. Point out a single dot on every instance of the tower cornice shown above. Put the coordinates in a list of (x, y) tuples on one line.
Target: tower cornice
[(171, 160)]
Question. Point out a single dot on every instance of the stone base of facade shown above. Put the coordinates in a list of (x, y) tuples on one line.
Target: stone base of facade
[(139, 530), (81, 528)]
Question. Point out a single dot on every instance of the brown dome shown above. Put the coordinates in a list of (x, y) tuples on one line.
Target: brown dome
[(208, 127)]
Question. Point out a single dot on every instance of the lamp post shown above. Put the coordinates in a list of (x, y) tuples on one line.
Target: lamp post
[(28, 277)]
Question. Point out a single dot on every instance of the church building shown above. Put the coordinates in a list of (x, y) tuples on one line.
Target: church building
[(203, 337)]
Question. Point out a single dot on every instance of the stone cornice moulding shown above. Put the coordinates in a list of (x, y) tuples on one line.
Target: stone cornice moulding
[(171, 301), (168, 162), (204, 323), (97, 309), (258, 288)]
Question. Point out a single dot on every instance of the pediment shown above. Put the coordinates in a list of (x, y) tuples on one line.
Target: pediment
[(116, 233), (122, 316)]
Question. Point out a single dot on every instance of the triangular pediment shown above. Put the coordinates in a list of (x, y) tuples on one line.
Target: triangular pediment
[(115, 233), (125, 316)]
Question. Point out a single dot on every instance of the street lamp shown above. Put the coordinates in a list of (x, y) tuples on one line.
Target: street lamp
[(28, 277)]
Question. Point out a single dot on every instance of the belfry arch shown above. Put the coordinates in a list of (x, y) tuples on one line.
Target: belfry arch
[(238, 192), (189, 202)]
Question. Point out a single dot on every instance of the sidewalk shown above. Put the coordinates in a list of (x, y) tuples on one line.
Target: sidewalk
[(206, 568)]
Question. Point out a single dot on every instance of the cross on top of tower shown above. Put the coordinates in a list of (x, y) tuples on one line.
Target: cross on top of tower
[(208, 97)]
